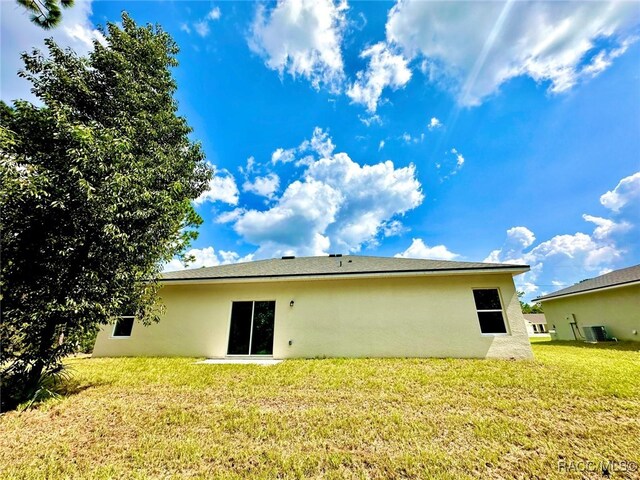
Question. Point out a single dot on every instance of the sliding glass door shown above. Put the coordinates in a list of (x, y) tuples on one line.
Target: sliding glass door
[(251, 331)]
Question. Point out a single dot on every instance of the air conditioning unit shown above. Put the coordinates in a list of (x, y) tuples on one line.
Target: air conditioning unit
[(595, 333)]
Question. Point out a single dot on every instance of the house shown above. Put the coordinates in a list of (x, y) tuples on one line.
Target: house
[(611, 301), (332, 306), (536, 324)]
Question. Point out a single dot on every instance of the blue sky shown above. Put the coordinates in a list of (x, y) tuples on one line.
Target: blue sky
[(504, 132)]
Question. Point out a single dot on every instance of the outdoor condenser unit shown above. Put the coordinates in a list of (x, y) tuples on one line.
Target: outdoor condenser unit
[(595, 333)]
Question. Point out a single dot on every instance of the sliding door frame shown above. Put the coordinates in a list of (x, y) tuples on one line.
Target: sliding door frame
[(253, 312)]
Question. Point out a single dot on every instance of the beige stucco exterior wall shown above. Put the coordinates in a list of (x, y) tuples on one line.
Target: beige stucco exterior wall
[(428, 316), (617, 309)]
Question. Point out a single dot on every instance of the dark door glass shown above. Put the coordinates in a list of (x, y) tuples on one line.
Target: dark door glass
[(240, 328), (263, 318)]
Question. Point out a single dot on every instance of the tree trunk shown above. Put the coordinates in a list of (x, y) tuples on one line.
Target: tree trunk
[(43, 359)]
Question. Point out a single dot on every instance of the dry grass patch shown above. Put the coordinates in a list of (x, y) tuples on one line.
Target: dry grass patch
[(334, 418)]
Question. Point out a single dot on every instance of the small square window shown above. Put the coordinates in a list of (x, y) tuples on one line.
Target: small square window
[(123, 327), (489, 309)]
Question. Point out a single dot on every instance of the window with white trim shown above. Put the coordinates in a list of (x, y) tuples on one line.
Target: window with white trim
[(489, 309), (123, 327)]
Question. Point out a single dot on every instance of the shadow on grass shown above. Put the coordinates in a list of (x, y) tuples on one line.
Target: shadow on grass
[(60, 385), (73, 387), (624, 345)]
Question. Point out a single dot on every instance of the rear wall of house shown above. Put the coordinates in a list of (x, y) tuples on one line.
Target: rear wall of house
[(430, 316), (617, 309)]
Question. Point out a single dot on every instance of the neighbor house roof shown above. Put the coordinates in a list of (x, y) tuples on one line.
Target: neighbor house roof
[(617, 278), (535, 318), (335, 265)]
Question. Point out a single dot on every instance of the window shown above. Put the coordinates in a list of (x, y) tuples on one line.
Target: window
[(489, 310), (123, 327)]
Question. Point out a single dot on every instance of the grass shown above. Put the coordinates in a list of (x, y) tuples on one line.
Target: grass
[(545, 338), (335, 418)]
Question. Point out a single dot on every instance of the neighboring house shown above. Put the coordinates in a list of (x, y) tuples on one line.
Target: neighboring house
[(611, 300), (536, 324), (332, 306)]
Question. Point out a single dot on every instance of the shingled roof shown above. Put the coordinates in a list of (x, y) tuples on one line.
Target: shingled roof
[(608, 280), (538, 318), (334, 265)]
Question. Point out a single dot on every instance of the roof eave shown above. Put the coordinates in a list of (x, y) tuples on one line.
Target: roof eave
[(513, 270), (547, 298)]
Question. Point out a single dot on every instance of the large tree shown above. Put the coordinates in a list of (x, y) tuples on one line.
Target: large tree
[(46, 13), (96, 188)]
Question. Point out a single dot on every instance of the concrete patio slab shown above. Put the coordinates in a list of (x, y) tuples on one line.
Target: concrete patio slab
[(240, 361)]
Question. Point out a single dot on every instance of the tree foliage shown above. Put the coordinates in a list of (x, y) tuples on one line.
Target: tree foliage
[(95, 192), (46, 13), (527, 308)]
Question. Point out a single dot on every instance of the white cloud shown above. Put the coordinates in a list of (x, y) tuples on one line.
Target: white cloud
[(19, 34), (214, 14), (606, 227), (302, 37), (233, 257), (320, 144), (572, 257), (264, 186), (418, 249), (584, 251), (336, 203), (205, 257), (480, 46), (385, 69), (203, 26), (453, 166), (296, 223), (370, 120), (569, 257), (434, 123), (230, 216), (282, 155), (521, 236), (518, 239), (372, 195), (222, 188), (393, 228), (459, 158), (381, 145), (249, 167), (528, 288), (627, 190)]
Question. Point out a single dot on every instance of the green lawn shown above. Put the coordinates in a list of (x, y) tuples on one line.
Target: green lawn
[(335, 418)]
